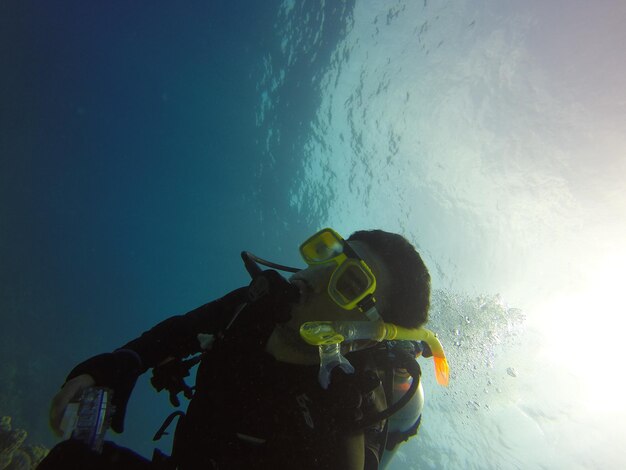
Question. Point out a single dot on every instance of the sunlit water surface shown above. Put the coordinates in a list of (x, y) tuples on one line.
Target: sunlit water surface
[(474, 129), (144, 148)]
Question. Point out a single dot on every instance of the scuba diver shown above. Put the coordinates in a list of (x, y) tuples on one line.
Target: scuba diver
[(315, 372)]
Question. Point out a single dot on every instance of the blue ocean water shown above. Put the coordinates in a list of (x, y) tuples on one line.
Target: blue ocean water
[(143, 146)]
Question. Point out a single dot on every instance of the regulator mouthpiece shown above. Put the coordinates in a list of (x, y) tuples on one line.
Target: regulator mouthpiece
[(331, 357)]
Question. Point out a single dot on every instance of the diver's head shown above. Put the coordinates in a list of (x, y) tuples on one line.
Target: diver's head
[(384, 267), (403, 295), (372, 287)]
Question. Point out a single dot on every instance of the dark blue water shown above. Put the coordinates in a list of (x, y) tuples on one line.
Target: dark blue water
[(131, 176)]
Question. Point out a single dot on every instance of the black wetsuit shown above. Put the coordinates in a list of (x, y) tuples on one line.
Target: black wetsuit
[(250, 410)]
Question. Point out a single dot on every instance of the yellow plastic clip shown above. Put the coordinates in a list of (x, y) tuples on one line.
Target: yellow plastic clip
[(320, 333)]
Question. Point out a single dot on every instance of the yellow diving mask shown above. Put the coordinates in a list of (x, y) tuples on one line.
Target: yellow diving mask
[(352, 283)]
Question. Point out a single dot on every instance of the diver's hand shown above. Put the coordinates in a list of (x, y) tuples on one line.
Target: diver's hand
[(72, 389), (117, 371)]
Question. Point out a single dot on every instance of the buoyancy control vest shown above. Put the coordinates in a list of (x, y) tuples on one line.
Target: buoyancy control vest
[(226, 381)]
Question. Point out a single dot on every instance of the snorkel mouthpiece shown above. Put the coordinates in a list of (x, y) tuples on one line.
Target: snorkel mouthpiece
[(329, 335)]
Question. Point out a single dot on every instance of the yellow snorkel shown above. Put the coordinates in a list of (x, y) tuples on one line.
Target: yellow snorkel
[(328, 335)]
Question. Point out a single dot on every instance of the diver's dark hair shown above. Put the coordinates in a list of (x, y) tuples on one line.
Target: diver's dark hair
[(408, 300)]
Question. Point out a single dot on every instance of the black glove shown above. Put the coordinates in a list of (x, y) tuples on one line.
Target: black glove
[(118, 371)]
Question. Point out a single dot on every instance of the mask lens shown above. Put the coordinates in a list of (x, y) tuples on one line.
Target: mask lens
[(352, 280), (351, 284), (322, 247)]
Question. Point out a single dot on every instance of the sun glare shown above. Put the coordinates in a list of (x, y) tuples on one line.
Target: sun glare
[(585, 333)]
